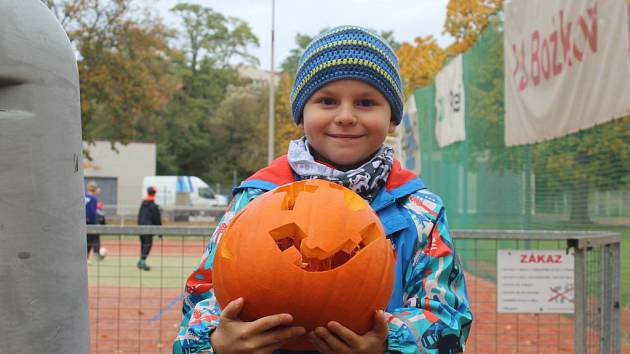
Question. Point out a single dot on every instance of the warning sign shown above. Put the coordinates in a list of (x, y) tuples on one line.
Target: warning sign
[(535, 281)]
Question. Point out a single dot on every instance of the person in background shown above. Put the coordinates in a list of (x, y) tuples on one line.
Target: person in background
[(91, 203), (149, 214), (101, 252)]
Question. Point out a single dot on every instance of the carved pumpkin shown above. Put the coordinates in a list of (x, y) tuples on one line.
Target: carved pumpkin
[(313, 249)]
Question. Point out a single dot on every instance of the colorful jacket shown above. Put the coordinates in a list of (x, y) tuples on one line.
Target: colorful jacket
[(429, 310), (90, 208)]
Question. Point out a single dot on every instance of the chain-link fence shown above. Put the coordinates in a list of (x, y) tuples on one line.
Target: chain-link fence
[(577, 181), (135, 311)]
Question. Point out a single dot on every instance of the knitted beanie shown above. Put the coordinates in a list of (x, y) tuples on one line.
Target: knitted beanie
[(348, 52)]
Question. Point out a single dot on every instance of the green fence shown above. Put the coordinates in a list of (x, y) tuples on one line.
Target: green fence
[(578, 181)]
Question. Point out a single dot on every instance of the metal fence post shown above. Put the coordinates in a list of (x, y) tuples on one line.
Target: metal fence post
[(581, 325), (615, 276), (605, 299)]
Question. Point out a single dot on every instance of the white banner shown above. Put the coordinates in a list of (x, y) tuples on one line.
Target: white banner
[(408, 134), (535, 281), (567, 67), (449, 103)]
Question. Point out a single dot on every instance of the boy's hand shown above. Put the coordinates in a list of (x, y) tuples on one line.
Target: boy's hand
[(337, 339), (261, 336)]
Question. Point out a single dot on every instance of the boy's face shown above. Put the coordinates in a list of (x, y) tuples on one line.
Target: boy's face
[(346, 121)]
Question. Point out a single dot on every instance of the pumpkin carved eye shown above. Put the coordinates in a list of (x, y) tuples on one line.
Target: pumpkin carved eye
[(289, 238), (313, 249)]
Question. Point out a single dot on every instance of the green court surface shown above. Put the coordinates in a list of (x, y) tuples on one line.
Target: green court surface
[(172, 271), (166, 271)]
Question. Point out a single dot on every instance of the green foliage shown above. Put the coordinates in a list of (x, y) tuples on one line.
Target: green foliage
[(143, 81), (485, 102), (466, 20), (121, 67), (240, 128), (193, 140), (290, 64)]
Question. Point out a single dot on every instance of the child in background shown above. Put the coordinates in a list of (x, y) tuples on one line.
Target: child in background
[(92, 218), (346, 98)]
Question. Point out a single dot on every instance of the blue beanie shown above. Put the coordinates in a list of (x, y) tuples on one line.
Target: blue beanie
[(348, 52)]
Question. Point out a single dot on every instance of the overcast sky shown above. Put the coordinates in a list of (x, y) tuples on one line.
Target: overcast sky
[(407, 18)]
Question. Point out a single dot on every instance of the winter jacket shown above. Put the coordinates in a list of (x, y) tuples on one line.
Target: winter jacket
[(429, 311), (149, 213), (90, 208)]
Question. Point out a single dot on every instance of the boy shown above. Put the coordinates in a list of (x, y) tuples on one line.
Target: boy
[(149, 214), (91, 217), (346, 98)]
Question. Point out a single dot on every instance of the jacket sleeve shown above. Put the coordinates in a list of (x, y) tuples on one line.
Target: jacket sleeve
[(156, 216), (436, 316), (90, 209), (200, 310)]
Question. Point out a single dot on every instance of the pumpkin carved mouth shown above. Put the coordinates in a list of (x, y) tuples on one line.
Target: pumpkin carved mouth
[(302, 250)]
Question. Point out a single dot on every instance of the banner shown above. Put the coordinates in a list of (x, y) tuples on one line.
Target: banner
[(449, 103), (567, 67), (409, 140)]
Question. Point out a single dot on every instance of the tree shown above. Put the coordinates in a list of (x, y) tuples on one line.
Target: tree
[(189, 138), (466, 19), (596, 158), (233, 42), (193, 141), (122, 61), (286, 130), (202, 26), (238, 124), (212, 35), (290, 64), (66, 11), (419, 63), (388, 36)]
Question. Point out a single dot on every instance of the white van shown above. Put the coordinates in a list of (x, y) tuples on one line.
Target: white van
[(187, 195)]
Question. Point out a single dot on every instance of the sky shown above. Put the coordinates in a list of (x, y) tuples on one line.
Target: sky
[(407, 18)]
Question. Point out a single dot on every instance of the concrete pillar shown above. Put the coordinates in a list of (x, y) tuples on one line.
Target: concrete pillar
[(43, 270)]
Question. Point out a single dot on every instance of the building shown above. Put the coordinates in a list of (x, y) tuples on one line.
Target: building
[(259, 77), (119, 172)]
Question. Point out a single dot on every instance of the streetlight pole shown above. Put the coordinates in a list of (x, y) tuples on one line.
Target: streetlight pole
[(270, 151)]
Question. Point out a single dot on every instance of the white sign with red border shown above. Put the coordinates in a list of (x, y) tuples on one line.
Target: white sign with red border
[(535, 281)]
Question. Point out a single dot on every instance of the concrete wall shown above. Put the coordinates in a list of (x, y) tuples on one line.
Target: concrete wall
[(43, 272), (129, 164)]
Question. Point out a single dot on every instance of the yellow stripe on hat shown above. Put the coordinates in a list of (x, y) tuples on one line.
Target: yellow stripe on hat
[(348, 42), (345, 61), (345, 28)]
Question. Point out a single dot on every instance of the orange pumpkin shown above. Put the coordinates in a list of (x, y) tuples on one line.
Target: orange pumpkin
[(311, 248)]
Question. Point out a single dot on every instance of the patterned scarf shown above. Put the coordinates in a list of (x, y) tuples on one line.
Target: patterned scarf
[(365, 180)]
